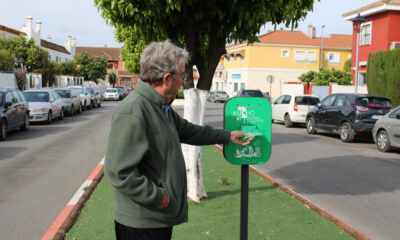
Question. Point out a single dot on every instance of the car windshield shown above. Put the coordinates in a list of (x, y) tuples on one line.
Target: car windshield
[(377, 102), (63, 93), (111, 90), (1, 98), (304, 100), (252, 93), (37, 96)]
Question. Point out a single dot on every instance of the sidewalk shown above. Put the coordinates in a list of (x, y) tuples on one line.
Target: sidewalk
[(273, 214)]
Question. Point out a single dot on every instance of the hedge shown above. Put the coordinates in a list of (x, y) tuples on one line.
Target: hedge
[(383, 74)]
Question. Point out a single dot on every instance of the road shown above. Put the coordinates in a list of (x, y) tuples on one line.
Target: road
[(41, 169), (355, 182)]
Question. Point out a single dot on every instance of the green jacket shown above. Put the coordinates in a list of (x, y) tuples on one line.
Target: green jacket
[(144, 157)]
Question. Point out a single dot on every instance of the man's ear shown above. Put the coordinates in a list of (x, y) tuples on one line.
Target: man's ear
[(166, 79)]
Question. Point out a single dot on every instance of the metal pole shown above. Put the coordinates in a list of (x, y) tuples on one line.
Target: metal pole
[(356, 70), (244, 202)]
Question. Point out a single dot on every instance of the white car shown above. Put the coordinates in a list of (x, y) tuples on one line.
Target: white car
[(85, 96), (111, 94), (292, 108), (44, 105)]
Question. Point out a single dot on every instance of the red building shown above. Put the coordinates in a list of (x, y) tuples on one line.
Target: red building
[(380, 31), (114, 64)]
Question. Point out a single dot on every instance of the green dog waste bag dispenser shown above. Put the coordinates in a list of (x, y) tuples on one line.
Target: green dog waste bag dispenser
[(251, 115)]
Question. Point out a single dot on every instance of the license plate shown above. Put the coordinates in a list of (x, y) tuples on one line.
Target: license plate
[(376, 116)]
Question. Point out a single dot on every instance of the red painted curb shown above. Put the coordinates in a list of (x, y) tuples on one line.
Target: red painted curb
[(325, 214), (68, 215)]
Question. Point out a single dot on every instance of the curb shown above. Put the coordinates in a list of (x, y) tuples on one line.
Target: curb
[(69, 214), (323, 213)]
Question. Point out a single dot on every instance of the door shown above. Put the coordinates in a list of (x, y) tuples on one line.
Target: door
[(275, 107), (394, 130), (337, 112), (20, 109), (11, 111), (322, 116)]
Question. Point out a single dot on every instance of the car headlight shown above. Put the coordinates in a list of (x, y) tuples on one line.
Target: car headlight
[(40, 110)]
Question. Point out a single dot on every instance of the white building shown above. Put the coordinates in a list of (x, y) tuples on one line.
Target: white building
[(57, 53)]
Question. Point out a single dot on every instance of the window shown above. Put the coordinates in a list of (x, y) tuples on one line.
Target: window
[(328, 101), (9, 97), (333, 58), (342, 101), (235, 87), (285, 53), (303, 56), (126, 81), (365, 32), (286, 99), (242, 85), (279, 100), (395, 113)]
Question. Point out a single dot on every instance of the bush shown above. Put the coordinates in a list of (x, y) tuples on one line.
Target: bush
[(383, 74)]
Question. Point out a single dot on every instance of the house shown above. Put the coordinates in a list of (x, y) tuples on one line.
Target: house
[(9, 32), (378, 32), (114, 63), (282, 56), (57, 53)]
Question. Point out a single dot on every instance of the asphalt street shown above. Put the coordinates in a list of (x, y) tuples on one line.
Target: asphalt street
[(41, 169)]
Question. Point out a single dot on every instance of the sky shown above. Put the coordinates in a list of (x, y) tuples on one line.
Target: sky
[(81, 20)]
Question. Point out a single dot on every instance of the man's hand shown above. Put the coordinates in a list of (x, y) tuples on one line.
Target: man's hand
[(236, 138), (164, 202)]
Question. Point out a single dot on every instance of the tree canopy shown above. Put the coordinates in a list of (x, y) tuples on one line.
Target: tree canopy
[(203, 27), (91, 68), (325, 76)]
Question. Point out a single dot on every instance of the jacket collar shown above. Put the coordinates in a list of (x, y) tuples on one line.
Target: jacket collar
[(148, 92)]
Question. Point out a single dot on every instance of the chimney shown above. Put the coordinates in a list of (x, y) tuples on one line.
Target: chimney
[(38, 27), (311, 31), (73, 42), (48, 38), (28, 27)]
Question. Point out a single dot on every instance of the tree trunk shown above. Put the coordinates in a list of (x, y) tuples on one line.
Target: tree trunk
[(194, 108)]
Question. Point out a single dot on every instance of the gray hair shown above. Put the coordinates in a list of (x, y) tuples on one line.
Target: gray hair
[(159, 58)]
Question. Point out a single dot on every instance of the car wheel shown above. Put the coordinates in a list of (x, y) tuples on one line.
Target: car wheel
[(49, 117), (25, 127), (3, 129), (310, 126), (84, 106), (383, 141), (99, 105), (346, 132), (93, 104), (61, 117), (72, 112), (288, 122), (80, 108)]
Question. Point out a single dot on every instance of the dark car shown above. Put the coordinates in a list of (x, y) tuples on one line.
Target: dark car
[(14, 111), (95, 97), (250, 93), (348, 114)]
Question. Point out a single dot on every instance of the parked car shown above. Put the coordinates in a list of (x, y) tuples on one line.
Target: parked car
[(95, 98), (85, 96), (386, 132), (121, 93), (111, 94), (249, 93), (347, 114), (218, 96), (14, 111), (124, 91), (71, 100), (292, 108), (44, 105), (129, 89)]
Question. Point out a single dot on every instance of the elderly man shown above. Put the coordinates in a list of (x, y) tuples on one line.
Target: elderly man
[(144, 161)]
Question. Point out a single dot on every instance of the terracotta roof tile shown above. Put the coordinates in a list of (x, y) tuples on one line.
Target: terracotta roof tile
[(109, 53), (299, 38), (11, 30), (372, 5)]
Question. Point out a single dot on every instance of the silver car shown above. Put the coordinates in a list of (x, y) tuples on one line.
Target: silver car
[(71, 100), (386, 132), (44, 105), (218, 96)]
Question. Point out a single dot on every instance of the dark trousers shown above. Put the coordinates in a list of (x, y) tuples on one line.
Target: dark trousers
[(123, 232)]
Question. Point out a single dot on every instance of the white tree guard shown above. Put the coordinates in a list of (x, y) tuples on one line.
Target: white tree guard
[(194, 108)]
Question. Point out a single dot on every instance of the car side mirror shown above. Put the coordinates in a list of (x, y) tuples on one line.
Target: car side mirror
[(398, 116), (8, 104), (319, 105)]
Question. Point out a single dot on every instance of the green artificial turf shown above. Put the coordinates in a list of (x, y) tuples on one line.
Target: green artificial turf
[(273, 214)]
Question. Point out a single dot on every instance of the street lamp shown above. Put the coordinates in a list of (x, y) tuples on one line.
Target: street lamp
[(357, 23), (322, 43)]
